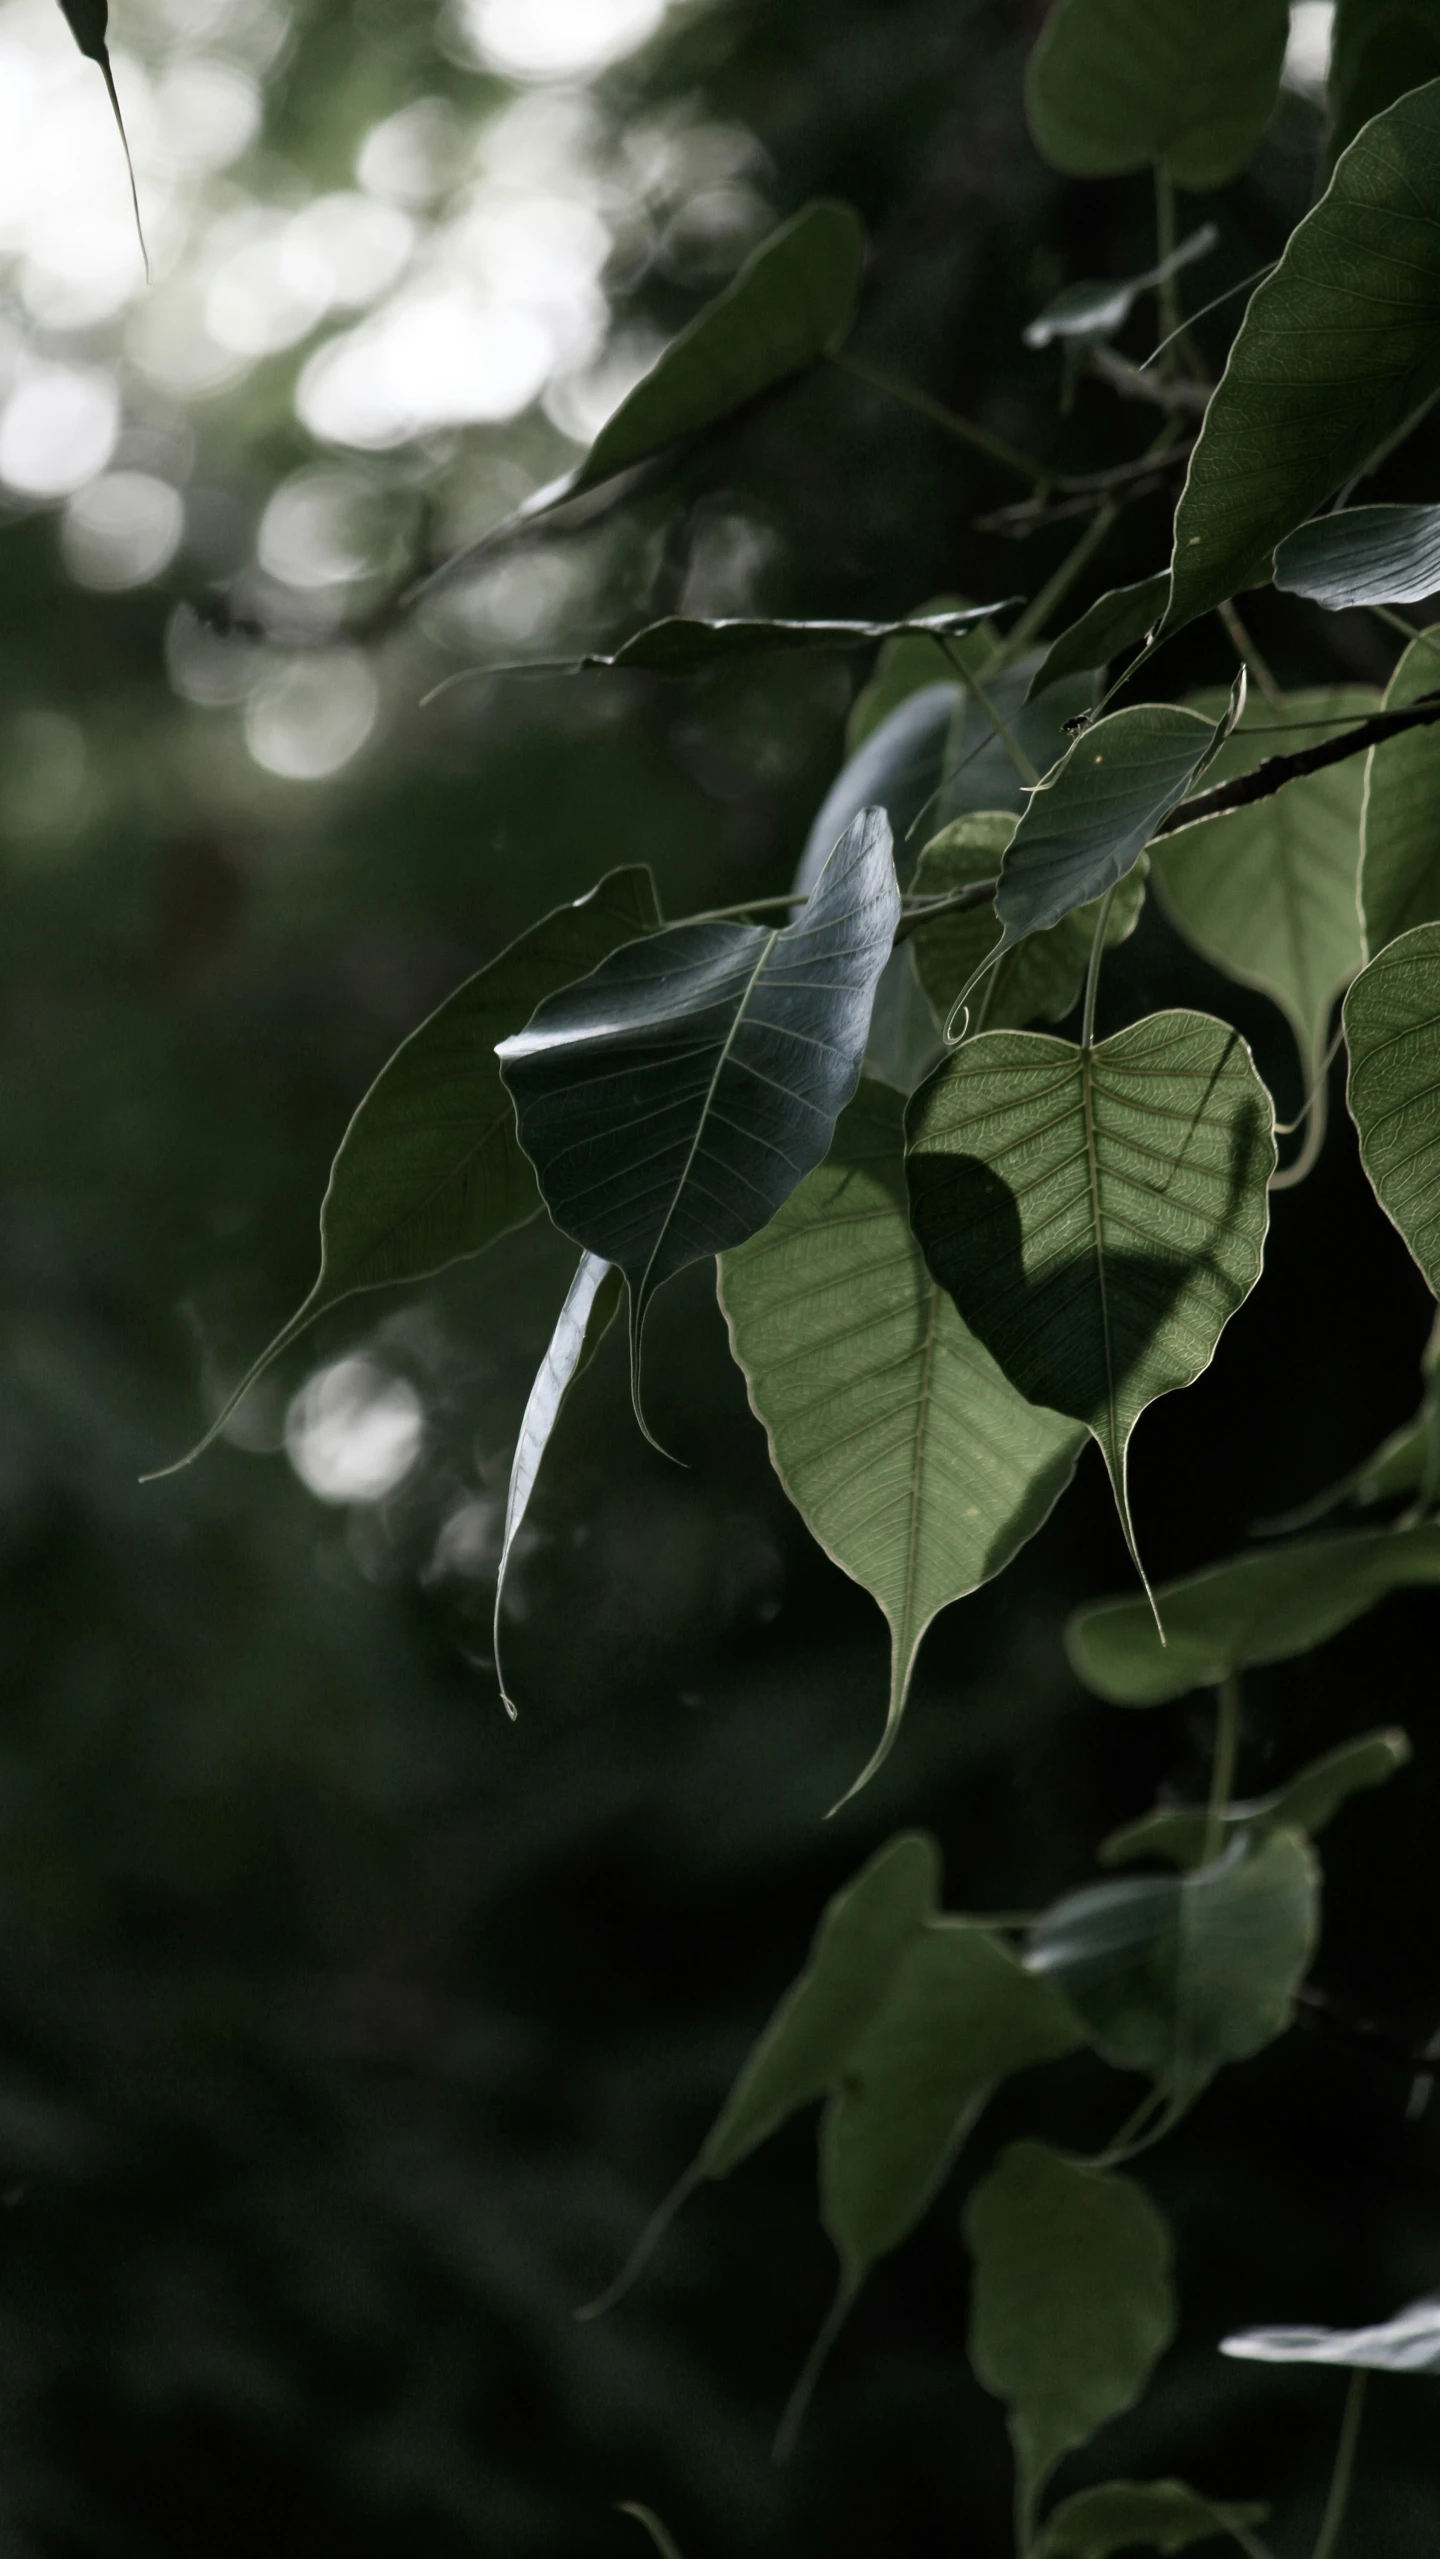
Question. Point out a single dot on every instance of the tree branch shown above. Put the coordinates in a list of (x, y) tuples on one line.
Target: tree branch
[(1277, 770)]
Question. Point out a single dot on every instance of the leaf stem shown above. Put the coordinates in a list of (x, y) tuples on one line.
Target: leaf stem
[(1250, 657), (1167, 291), (1057, 586), (1092, 974), (981, 441), (1332, 2521), (971, 681), (1222, 1766)]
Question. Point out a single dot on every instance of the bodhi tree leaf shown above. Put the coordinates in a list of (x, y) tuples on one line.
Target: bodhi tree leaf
[(430, 1169), (1180, 1833), (1041, 978), (89, 23), (1112, 623), (1268, 892), (1400, 856), (1410, 2342), (1337, 349), (1380, 48), (1131, 2514), (671, 1101), (591, 1304), (1363, 555), (1097, 1215), (908, 1455), (1262, 1607), (1071, 2305), (1094, 311), (1175, 1975), (1392, 1031), (1114, 84)]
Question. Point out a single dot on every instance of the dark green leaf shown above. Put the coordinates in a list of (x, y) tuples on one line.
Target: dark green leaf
[(1363, 555), (591, 1305), (430, 1168), (1410, 2342), (1180, 1833), (1380, 49), (671, 1102), (1113, 84), (1400, 860), (1094, 311), (908, 1455), (1263, 1607), (1392, 1030), (1097, 1215), (1112, 623), (902, 668), (1091, 821), (1071, 2304), (1130, 2514), (1337, 349), (1175, 1975), (681, 645), (1040, 978)]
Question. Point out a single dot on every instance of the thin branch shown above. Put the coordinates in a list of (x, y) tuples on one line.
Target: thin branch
[(920, 911), (1266, 779)]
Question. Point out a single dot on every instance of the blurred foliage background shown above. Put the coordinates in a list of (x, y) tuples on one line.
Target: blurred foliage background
[(346, 2032)]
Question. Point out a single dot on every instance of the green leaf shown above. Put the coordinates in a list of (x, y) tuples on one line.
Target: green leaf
[(1262, 1607), (671, 1102), (1097, 1215), (1071, 2303), (1410, 2342), (1114, 84), (1112, 623), (1268, 893), (1400, 860), (1363, 555), (1094, 311), (682, 645), (89, 22), (1313, 1798), (1040, 978), (905, 665), (1089, 823), (1380, 49), (1337, 349), (1175, 1975), (1130, 2514), (430, 1168), (591, 1305), (1392, 1030), (908, 1455)]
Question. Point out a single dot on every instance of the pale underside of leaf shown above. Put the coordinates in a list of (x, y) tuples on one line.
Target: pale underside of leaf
[(588, 1310), (1363, 555)]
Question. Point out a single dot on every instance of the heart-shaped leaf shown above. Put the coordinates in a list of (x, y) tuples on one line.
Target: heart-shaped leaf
[(1262, 1607), (1114, 84), (1181, 1833), (592, 1302), (1336, 351), (1400, 857), (1094, 311), (1176, 1975), (1132, 2514), (671, 1101), (1363, 555), (907, 1453), (1392, 1030), (1040, 978), (1071, 2305), (1097, 1214), (1410, 2342), (1112, 623)]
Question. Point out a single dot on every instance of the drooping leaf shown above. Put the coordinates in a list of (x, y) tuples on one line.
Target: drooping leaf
[(1363, 555), (1180, 1833), (1262, 1607), (1410, 2342), (1071, 2304), (1132, 2514), (1040, 978), (1400, 859), (1392, 1031), (592, 1302), (430, 1169), (1337, 349), (1268, 892), (1112, 623), (684, 645), (671, 1101), (1099, 1215), (89, 24), (1114, 84), (1091, 821), (1176, 1975), (1380, 48), (906, 1452)]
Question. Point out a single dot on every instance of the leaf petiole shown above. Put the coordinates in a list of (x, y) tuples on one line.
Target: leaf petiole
[(1342, 2476)]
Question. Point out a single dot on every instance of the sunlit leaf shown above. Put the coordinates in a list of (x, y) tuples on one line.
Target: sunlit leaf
[(89, 22), (592, 1302), (1099, 1215), (1113, 84), (1380, 48), (1180, 1833), (1410, 2342), (1132, 2514), (1111, 624), (1091, 821), (1392, 1030), (430, 1168), (1176, 1975), (1262, 1607), (907, 1453), (1039, 979), (1093, 311), (1071, 2304), (671, 1101), (1336, 351), (1400, 860), (1363, 555)]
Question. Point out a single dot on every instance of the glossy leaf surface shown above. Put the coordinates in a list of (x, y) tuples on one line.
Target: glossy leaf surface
[(1400, 857), (1071, 2304), (1363, 555), (671, 1101), (1039, 979), (1114, 84), (1337, 349), (909, 1456), (1179, 1833), (1132, 2514), (1410, 2342), (1090, 822), (1113, 623), (592, 1302), (1392, 1031), (1262, 1607), (1097, 1217)]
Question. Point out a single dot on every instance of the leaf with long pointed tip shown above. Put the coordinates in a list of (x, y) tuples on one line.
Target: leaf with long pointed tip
[(1341, 344), (1262, 1607), (1392, 1031), (1363, 555), (907, 1453), (89, 23), (683, 644), (671, 1102), (1410, 2342), (1400, 853), (430, 1169), (1097, 1215), (1115, 84), (1181, 1833), (1112, 623), (1136, 2514), (592, 1302), (1040, 978), (1093, 311)]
